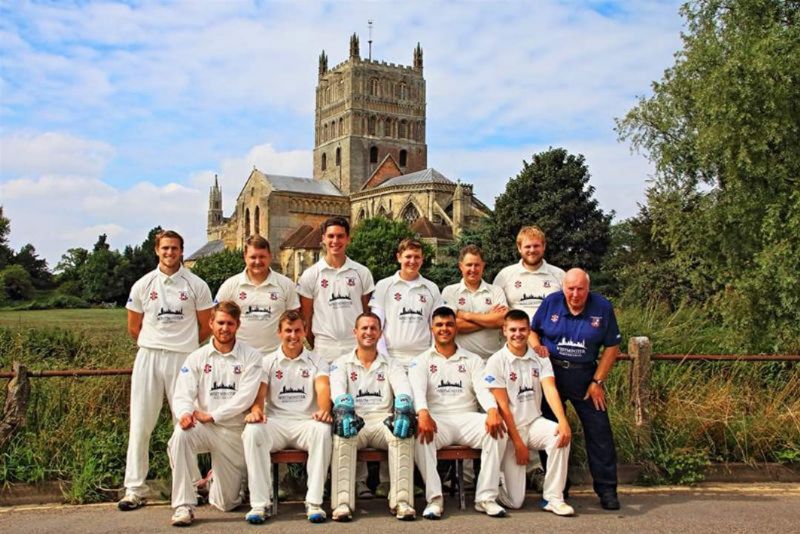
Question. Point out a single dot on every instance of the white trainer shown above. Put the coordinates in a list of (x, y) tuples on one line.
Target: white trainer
[(182, 517), (256, 516), (490, 508), (559, 508), (405, 512), (342, 513), (131, 501), (434, 509), (315, 513)]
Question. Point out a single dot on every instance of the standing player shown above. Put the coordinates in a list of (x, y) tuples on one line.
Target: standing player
[(447, 382), (216, 386), (367, 384), (528, 282), (480, 307), (168, 315), (298, 416), (405, 302), (262, 294), (516, 376), (333, 292)]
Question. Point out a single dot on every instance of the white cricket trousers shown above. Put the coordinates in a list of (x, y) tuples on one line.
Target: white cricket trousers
[(260, 439), (154, 374), (466, 429), (227, 461), (331, 350), (539, 435), (400, 465)]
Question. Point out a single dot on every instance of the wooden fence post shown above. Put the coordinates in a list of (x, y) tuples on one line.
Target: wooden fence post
[(640, 350), (15, 410)]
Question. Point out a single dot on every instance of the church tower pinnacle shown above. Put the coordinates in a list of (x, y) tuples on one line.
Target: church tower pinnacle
[(214, 205)]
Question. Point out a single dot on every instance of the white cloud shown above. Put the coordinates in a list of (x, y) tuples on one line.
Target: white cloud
[(52, 152)]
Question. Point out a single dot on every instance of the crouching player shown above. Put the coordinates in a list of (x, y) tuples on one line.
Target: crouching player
[(367, 387), (295, 385), (517, 377), (216, 385)]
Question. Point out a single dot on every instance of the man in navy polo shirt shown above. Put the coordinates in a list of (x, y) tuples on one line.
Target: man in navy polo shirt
[(570, 327)]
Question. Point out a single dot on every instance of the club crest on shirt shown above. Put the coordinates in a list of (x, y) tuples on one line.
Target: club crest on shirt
[(433, 368), (273, 295), (183, 295), (462, 301), (237, 369), (324, 283), (353, 376), (207, 368), (184, 369), (351, 282), (554, 318), (535, 373), (423, 299), (305, 373), (512, 376), (546, 283), (462, 368), (596, 322), (518, 284), (488, 301), (153, 295), (242, 295), (380, 377), (279, 374), (398, 296), (489, 378)]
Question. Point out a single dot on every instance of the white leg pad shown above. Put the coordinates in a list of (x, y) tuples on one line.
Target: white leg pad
[(343, 472), (401, 471)]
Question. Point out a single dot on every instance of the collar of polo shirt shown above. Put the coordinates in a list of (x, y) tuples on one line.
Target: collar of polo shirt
[(165, 277), (245, 280), (214, 350), (348, 264), (510, 356), (462, 287), (302, 356), (416, 282), (459, 354), (380, 359), (542, 268)]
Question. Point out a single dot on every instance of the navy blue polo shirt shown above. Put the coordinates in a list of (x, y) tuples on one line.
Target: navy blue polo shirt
[(576, 338)]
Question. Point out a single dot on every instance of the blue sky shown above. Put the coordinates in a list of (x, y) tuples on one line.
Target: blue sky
[(114, 117)]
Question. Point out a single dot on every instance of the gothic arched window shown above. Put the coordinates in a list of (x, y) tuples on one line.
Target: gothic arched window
[(401, 129), (410, 214), (372, 123), (247, 222), (373, 86), (403, 158), (338, 156), (257, 221), (324, 163), (373, 154)]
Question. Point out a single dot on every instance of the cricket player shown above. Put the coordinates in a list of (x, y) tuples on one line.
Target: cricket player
[(447, 382), (374, 388), (216, 386), (333, 292), (169, 312), (262, 294), (298, 415), (517, 377)]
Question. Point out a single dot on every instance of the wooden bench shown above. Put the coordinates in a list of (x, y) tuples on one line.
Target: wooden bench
[(452, 453)]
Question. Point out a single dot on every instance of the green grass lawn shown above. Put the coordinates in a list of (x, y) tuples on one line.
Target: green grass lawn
[(111, 321)]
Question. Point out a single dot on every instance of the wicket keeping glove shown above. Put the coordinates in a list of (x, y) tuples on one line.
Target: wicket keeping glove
[(346, 423), (403, 423)]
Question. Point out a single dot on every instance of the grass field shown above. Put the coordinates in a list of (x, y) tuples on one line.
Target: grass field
[(701, 412)]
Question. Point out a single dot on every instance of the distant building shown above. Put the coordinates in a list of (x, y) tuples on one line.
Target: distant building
[(370, 159)]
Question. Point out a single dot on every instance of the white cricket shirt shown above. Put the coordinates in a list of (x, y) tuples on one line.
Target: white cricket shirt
[(521, 376), (486, 341)]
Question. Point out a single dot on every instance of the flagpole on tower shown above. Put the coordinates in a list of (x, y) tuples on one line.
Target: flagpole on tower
[(369, 23)]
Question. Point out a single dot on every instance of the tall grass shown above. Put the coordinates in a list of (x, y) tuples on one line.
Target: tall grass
[(77, 428)]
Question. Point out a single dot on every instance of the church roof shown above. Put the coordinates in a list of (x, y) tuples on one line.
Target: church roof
[(212, 247), (305, 237), (425, 228), (425, 176), (296, 184)]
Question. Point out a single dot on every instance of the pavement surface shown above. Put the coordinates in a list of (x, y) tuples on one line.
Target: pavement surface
[(718, 508)]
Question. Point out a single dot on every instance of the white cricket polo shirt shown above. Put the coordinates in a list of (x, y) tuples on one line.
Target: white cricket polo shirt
[(225, 385), (373, 389), (521, 376), (525, 290), (449, 385), (290, 382), (486, 341), (337, 297), (170, 305), (262, 305), (407, 307)]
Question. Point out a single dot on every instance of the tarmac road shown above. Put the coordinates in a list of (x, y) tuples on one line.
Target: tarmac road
[(718, 508)]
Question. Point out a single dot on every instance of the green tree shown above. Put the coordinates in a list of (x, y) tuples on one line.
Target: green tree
[(553, 193), (29, 260), (6, 253), (374, 244), (139, 259), (100, 275), (217, 268), (723, 129), (16, 284)]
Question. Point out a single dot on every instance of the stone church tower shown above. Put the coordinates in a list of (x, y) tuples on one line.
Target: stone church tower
[(367, 110)]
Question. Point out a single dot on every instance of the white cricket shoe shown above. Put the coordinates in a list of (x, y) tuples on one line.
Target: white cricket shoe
[(490, 508), (434, 509), (182, 517), (342, 513), (405, 512), (559, 508)]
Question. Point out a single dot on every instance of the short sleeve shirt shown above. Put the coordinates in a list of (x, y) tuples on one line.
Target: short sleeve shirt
[(576, 338), (170, 304), (525, 290), (407, 307), (521, 377), (337, 297), (486, 341), (262, 305), (290, 382), (373, 389)]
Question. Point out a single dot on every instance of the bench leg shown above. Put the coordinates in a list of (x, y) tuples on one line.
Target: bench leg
[(275, 484), (462, 500)]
